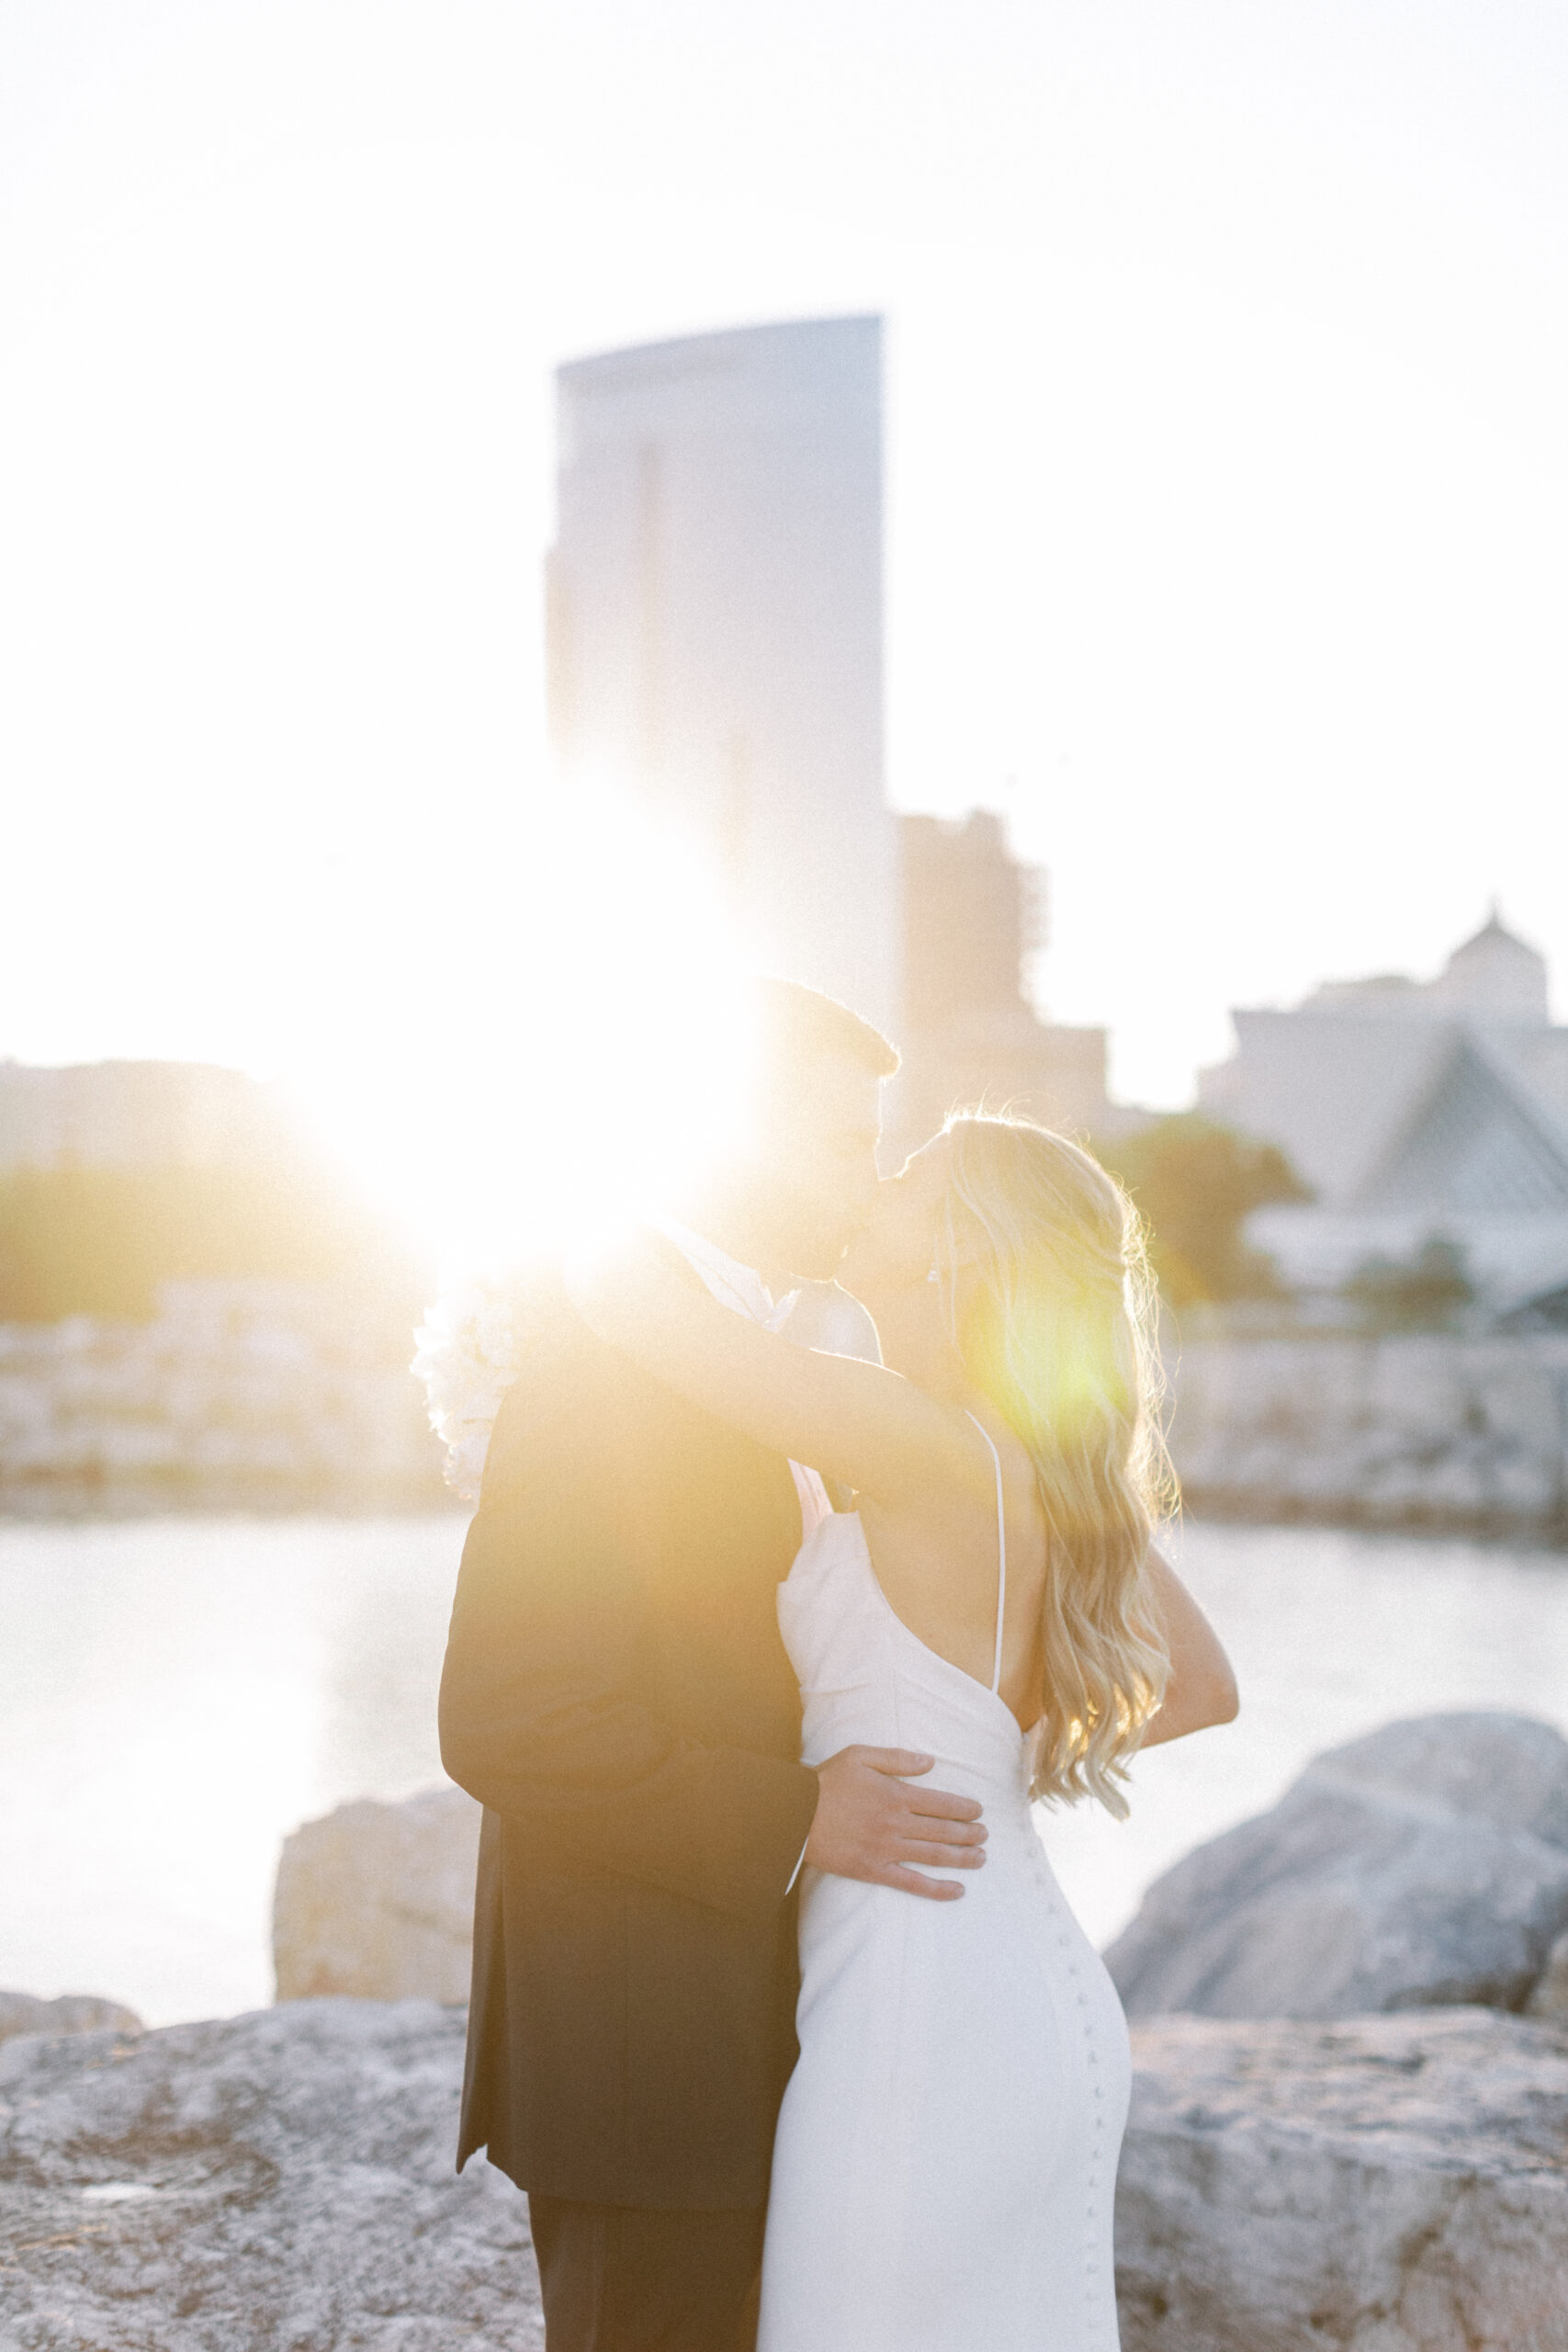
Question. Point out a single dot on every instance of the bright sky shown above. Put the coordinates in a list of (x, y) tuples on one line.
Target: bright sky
[(1228, 476)]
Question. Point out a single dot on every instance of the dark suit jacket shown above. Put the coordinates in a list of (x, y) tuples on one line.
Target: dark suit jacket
[(618, 1695)]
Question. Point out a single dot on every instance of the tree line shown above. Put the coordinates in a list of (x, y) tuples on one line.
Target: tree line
[(102, 1241)]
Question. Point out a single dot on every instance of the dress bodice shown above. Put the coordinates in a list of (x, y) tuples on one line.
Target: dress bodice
[(866, 1678)]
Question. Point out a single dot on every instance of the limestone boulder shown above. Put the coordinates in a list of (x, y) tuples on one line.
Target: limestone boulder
[(1386, 2183), (1425, 1865), (281, 2182), (377, 1901), (72, 2013)]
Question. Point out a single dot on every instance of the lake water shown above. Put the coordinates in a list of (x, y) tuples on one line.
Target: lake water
[(177, 1695)]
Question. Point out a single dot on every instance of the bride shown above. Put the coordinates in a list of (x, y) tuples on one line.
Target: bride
[(944, 2167)]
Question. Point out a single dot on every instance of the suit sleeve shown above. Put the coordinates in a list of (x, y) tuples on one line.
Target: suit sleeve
[(542, 1717)]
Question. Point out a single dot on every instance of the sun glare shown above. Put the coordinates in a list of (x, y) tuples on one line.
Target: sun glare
[(583, 1053)]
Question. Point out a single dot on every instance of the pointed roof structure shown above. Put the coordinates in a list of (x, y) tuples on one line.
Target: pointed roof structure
[(1494, 975), (1478, 1143), (1412, 1108)]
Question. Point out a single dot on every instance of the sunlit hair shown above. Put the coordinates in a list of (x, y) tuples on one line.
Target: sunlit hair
[(1054, 1319)]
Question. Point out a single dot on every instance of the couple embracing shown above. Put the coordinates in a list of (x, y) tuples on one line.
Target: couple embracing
[(759, 1655)]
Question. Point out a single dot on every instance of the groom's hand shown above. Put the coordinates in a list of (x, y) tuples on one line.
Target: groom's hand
[(872, 1822)]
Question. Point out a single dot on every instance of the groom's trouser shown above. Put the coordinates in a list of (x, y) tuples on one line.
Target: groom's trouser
[(627, 2278)]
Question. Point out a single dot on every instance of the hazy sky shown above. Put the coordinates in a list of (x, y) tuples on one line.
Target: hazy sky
[(1228, 471)]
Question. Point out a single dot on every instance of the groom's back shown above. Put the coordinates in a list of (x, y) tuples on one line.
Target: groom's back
[(618, 1694)]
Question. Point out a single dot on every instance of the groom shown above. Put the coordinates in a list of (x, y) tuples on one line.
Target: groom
[(618, 1695)]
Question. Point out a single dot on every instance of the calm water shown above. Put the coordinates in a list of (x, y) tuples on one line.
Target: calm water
[(177, 1695)]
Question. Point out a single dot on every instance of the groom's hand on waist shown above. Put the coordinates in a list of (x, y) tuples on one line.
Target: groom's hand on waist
[(876, 1820)]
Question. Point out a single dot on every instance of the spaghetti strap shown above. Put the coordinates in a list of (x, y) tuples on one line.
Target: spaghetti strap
[(1001, 1555)]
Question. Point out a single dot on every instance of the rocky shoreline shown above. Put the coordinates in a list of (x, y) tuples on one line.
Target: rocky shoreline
[(283, 2182), (1383, 2184), (1343, 2137), (1439, 1432), (269, 1406), (233, 1398), (279, 2180)]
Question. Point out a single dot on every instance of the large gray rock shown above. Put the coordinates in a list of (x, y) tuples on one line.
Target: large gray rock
[(283, 2183), (72, 2013), (275, 2182), (378, 1901), (1384, 2185), (1425, 1865)]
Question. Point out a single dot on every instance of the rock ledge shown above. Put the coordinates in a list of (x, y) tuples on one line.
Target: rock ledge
[(1383, 2184), (281, 2182)]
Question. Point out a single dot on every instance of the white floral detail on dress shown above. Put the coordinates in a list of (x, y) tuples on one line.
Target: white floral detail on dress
[(468, 1351)]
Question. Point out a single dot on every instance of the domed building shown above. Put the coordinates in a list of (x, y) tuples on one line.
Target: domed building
[(1418, 1111)]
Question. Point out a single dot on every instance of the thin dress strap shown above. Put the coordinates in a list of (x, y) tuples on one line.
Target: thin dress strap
[(1002, 1555)]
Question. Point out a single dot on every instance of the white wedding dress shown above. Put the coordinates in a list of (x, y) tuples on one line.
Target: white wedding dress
[(945, 2166)]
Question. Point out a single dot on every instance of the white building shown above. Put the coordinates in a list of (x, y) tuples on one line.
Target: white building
[(1416, 1109), (716, 627)]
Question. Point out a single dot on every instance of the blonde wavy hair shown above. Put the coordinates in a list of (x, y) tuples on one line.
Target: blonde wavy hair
[(1051, 1306)]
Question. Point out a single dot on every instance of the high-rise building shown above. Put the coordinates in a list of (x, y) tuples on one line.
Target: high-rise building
[(714, 626), (973, 916)]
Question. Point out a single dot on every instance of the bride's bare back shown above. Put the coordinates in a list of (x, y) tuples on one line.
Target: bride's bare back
[(935, 1558)]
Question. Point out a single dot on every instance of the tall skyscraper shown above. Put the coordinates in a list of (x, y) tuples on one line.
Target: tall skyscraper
[(972, 916), (714, 626)]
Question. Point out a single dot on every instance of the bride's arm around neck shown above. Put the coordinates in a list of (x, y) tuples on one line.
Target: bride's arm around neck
[(858, 1423)]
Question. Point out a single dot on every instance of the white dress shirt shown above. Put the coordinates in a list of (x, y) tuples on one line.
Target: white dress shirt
[(742, 1289)]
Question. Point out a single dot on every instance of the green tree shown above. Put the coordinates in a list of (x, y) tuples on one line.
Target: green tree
[(1195, 1182), (1426, 1292), (102, 1240)]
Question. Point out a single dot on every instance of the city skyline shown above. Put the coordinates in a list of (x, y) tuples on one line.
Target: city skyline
[(1225, 484)]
